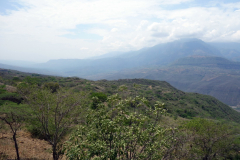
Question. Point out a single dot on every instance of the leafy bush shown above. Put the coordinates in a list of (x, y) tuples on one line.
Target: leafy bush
[(16, 79), (186, 113), (210, 139), (32, 80), (101, 96), (97, 97), (2, 89), (34, 127), (52, 86), (13, 97), (112, 132), (114, 87)]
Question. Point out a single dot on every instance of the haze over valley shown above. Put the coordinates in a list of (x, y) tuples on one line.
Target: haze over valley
[(190, 65)]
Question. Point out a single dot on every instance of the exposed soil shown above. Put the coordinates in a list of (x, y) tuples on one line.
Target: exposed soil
[(29, 148)]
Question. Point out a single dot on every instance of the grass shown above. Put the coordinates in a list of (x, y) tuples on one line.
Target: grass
[(29, 148)]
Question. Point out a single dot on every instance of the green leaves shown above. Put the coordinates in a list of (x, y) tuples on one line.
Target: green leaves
[(97, 98), (54, 111), (112, 132), (209, 139)]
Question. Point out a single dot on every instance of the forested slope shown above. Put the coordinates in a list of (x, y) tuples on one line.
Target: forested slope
[(120, 119)]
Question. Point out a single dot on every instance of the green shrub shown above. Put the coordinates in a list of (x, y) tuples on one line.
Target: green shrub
[(16, 79), (101, 96), (97, 97), (32, 80), (52, 86), (35, 131), (114, 87)]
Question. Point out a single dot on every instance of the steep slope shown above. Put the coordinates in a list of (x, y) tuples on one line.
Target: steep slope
[(184, 104), (213, 76), (178, 103)]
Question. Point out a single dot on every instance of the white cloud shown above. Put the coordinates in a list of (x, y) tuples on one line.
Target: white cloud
[(236, 35), (84, 48), (37, 30), (114, 30)]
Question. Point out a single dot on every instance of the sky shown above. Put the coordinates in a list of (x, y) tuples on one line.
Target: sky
[(40, 30)]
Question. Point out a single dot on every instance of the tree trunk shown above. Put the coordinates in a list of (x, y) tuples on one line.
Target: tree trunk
[(206, 157), (55, 154), (16, 146)]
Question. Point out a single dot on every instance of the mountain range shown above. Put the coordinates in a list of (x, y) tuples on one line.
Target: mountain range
[(191, 65)]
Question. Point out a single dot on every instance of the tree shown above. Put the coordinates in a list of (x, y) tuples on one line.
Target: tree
[(53, 86), (123, 89), (114, 131), (97, 97), (14, 118), (176, 144), (32, 80), (56, 112), (209, 139)]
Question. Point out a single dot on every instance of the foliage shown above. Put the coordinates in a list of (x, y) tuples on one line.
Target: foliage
[(97, 98), (101, 96), (32, 80), (209, 139), (178, 103), (13, 117), (16, 79), (121, 128), (54, 111), (7, 96), (2, 89), (53, 86), (113, 132)]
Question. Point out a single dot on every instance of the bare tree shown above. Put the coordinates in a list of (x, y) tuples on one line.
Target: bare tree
[(55, 112), (14, 121)]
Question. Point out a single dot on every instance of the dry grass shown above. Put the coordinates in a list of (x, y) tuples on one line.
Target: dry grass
[(29, 148), (11, 88)]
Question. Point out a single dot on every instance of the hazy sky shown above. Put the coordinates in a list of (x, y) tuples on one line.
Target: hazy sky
[(39, 30)]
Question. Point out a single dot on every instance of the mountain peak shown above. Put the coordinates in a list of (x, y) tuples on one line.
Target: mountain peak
[(189, 40)]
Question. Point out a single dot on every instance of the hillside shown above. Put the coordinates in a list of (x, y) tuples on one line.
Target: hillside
[(184, 104), (188, 64), (178, 103), (213, 76), (43, 106)]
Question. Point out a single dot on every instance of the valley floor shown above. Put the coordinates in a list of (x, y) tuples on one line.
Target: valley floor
[(237, 108)]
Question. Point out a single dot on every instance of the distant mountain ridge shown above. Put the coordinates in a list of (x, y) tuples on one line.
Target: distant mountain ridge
[(188, 64), (27, 69), (156, 56), (207, 61), (230, 50), (152, 57)]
